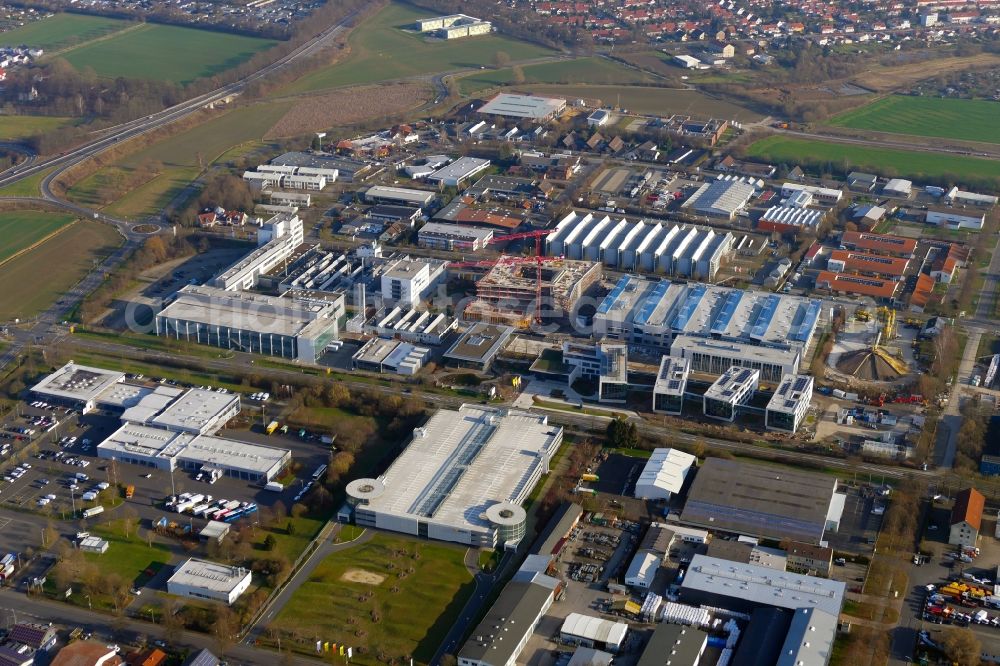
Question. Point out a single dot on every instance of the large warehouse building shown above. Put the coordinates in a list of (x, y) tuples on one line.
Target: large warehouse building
[(763, 501), (276, 326), (462, 478), (209, 580), (674, 249), (720, 198), (703, 323), (529, 107), (163, 426)]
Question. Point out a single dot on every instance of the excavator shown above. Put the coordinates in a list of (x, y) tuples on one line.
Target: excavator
[(888, 332)]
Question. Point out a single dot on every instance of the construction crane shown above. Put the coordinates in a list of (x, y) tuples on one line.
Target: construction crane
[(888, 332), (538, 260)]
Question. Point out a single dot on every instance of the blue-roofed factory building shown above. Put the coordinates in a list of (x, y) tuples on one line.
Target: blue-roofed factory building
[(714, 327)]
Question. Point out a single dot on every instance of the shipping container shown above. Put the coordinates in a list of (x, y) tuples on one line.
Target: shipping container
[(93, 511)]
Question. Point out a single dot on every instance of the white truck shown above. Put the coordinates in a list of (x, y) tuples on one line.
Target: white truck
[(274, 487)]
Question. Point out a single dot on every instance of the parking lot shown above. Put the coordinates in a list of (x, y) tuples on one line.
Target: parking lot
[(48, 446)]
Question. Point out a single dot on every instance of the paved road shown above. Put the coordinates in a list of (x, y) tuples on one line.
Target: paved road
[(328, 546), (14, 604)]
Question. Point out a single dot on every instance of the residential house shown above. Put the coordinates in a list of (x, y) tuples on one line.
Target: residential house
[(150, 657), (808, 558), (966, 518), (87, 653), (35, 636)]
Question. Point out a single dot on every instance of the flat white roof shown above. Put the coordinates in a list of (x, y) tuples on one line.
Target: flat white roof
[(150, 404), (248, 312), (212, 576), (123, 395), (196, 409), (594, 628), (643, 567), (666, 469), (460, 169), (720, 197), (422, 481), (422, 197), (523, 106), (762, 585), (132, 440), (77, 382)]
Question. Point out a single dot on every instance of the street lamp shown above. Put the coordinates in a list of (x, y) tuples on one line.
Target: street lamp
[(89, 606)]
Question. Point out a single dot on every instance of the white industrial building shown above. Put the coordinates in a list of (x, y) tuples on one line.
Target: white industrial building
[(663, 475), (704, 322), (963, 198), (163, 449), (387, 355), (410, 325), (459, 171), (642, 571), (454, 26), (529, 107), (77, 386), (290, 177), (822, 195), (898, 187), (272, 325), (733, 389), (789, 404), (445, 236), (399, 195), (662, 247), (276, 239), (957, 218), (720, 198), (209, 580), (671, 383), (462, 478), (408, 281), (593, 632)]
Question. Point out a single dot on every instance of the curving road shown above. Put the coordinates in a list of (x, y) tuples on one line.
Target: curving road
[(41, 326)]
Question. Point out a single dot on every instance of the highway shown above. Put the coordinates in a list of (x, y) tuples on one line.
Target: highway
[(39, 328)]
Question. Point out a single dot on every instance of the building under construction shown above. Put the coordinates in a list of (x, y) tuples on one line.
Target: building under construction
[(877, 362), (510, 292)]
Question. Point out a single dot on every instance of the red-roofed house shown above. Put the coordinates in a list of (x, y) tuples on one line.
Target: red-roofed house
[(86, 653), (966, 518)]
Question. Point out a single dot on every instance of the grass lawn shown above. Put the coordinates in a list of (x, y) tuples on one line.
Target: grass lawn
[(67, 258), (128, 557), (648, 99), (20, 229), (15, 128), (214, 138), (381, 51), (290, 545), (167, 52), (968, 119), (152, 197), (26, 187), (919, 165), (414, 610), (62, 30), (581, 70)]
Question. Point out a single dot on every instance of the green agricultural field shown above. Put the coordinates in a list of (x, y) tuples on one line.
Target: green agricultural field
[(381, 50), (213, 138), (937, 167), (15, 128), (22, 228), (166, 52), (582, 70), (67, 257), (647, 99), (414, 609), (62, 31), (967, 119)]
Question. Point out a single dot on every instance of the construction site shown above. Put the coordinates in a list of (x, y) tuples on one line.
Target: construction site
[(870, 349), (517, 290)]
